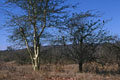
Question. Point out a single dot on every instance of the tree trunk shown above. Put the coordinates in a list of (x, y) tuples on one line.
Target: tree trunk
[(80, 66), (36, 59), (118, 67), (36, 64)]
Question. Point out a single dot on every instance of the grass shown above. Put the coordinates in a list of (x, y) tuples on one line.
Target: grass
[(14, 71)]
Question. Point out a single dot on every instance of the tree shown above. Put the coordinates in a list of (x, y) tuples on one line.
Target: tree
[(9, 48), (31, 27), (85, 33), (114, 49)]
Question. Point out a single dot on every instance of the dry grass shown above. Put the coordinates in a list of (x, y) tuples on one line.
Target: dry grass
[(13, 71)]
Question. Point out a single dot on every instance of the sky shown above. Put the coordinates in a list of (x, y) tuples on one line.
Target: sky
[(109, 8)]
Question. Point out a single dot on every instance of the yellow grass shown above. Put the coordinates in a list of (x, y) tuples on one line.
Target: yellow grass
[(13, 71)]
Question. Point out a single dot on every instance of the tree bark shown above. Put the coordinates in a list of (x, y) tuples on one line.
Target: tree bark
[(36, 59), (118, 67), (36, 64), (80, 66)]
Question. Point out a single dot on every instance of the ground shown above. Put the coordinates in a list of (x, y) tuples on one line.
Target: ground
[(14, 71)]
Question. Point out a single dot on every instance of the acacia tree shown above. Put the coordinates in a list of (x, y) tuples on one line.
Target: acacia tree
[(85, 34), (32, 26), (114, 48)]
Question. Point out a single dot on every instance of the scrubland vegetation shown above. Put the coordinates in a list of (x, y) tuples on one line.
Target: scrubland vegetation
[(16, 65), (78, 47)]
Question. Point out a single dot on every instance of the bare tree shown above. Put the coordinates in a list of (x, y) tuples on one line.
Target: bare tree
[(85, 34), (114, 48), (10, 48), (33, 26)]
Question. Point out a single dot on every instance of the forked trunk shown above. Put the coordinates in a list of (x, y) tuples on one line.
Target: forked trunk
[(36, 60), (36, 64)]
